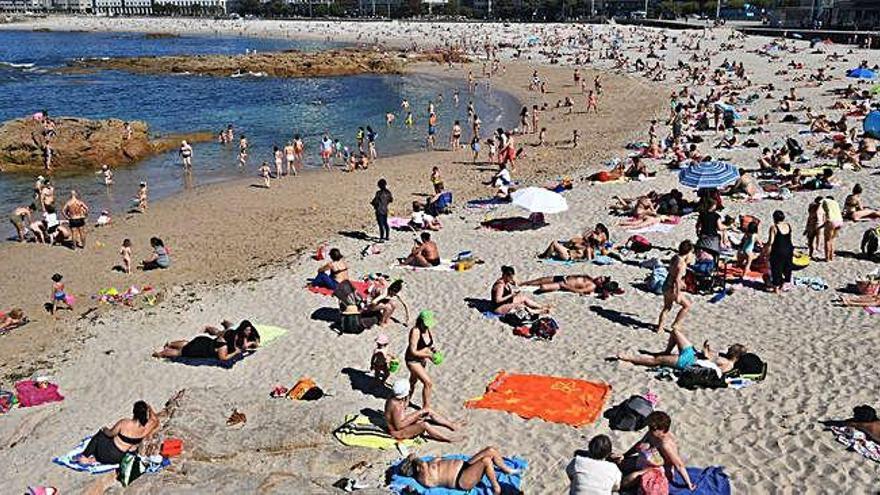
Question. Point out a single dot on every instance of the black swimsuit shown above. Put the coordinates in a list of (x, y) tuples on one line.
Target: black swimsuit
[(423, 344)]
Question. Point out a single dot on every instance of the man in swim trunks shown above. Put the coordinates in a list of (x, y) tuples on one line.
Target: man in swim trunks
[(576, 284), (76, 212), (425, 421), (455, 473), (687, 355), (21, 218), (425, 252), (673, 288)]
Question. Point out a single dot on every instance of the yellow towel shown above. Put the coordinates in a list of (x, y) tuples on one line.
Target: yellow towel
[(359, 431)]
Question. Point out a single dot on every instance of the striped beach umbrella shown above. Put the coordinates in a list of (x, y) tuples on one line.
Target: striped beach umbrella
[(708, 175)]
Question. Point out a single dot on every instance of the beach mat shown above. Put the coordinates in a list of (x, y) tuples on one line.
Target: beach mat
[(268, 334), (359, 286), (857, 441), (509, 483), (662, 228), (359, 431), (554, 399), (709, 481), (68, 460), (444, 266), (486, 203), (511, 224)]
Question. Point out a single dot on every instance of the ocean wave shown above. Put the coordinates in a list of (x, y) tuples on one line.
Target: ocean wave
[(18, 65), (249, 74)]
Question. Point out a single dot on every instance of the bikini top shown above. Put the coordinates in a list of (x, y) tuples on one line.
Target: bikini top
[(129, 440)]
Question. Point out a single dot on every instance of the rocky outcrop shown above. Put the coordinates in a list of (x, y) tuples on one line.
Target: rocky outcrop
[(279, 64), (81, 144)]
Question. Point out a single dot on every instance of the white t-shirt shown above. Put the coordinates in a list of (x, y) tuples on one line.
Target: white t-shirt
[(592, 477), (420, 218)]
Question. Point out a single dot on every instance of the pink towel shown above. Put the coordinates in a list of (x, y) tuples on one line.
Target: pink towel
[(654, 482), (30, 395)]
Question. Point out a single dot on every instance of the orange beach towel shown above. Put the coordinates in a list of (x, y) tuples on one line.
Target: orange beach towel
[(551, 398)]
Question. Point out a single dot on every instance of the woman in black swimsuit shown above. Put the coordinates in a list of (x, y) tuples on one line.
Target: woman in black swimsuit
[(781, 250), (225, 346), (109, 445), (333, 273), (418, 352)]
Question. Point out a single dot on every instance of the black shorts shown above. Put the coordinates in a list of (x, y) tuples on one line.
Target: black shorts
[(434, 262), (76, 223)]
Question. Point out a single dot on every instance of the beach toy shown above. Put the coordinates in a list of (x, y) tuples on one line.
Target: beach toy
[(69, 299), (393, 366), (800, 259), (438, 358)]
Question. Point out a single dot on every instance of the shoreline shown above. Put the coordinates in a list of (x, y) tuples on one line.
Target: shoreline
[(194, 268)]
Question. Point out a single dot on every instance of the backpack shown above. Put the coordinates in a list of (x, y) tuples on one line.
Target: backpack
[(638, 244), (130, 468), (657, 279), (694, 377), (519, 317), (751, 366), (630, 414), (544, 328), (794, 147), (871, 241)]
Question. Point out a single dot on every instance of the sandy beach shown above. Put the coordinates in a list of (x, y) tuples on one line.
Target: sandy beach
[(242, 252)]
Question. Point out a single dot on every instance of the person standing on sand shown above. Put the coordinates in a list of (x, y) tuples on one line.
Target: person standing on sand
[(185, 153), (380, 202), (592, 102), (673, 288), (76, 212), (298, 149), (266, 174), (326, 150), (833, 223), (290, 158), (279, 161)]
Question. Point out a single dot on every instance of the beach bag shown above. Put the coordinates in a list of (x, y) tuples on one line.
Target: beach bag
[(544, 328), (871, 241), (630, 415), (7, 401), (657, 279), (519, 317), (305, 389), (694, 377), (749, 365), (638, 244), (130, 468), (171, 447)]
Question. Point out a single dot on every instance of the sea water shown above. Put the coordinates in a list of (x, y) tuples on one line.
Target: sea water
[(269, 111)]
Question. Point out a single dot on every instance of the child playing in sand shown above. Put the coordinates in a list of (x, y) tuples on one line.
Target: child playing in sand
[(575, 138), (265, 172), (380, 363), (58, 294), (747, 253), (125, 252), (493, 150)]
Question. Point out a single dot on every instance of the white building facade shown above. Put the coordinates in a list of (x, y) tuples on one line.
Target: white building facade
[(123, 7), (190, 7)]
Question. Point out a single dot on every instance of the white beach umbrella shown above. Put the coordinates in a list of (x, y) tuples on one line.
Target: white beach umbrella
[(539, 200)]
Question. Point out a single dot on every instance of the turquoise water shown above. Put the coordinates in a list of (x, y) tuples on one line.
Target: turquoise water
[(268, 110)]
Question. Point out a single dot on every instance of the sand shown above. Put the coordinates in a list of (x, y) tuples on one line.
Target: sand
[(246, 264)]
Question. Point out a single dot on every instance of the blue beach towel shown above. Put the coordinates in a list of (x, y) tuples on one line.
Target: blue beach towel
[(709, 481), (491, 315), (68, 460), (401, 484)]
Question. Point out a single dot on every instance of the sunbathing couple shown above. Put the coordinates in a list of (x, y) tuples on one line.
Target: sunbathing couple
[(507, 296), (578, 248), (224, 343), (457, 474)]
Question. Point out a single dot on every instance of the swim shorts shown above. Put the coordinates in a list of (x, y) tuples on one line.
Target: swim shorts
[(687, 357)]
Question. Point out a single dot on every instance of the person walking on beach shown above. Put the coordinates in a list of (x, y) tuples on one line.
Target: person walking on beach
[(298, 148), (279, 161), (432, 129), (326, 150), (592, 102), (833, 223), (266, 174), (455, 138), (780, 250), (290, 158), (76, 211), (673, 288), (185, 153), (380, 204)]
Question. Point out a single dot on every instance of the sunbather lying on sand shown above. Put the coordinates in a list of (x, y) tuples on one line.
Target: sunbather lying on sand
[(457, 474), (506, 295), (687, 355), (577, 284), (14, 319), (405, 426), (223, 344)]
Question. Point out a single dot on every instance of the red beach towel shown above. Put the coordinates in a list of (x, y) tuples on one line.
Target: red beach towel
[(30, 395)]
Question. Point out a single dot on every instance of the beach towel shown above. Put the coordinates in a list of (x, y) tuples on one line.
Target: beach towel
[(511, 224), (552, 261), (663, 228), (709, 481), (359, 431), (732, 272), (872, 310), (30, 395), (509, 482), (444, 266), (359, 286), (857, 441), (268, 334), (398, 223), (486, 203), (68, 460), (554, 399)]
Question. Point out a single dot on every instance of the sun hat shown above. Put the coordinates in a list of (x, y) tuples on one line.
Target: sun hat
[(401, 388), (427, 318), (382, 339)]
